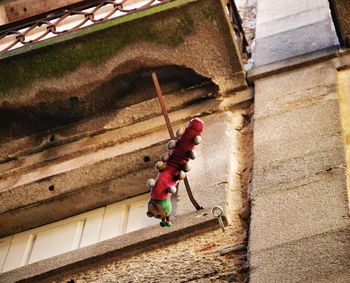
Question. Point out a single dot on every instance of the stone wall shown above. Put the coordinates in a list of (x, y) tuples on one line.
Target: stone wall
[(300, 226)]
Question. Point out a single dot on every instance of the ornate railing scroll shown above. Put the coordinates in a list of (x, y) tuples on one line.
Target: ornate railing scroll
[(71, 18)]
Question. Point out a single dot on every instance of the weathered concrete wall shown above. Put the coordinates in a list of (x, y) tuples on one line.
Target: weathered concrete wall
[(300, 225), (93, 160), (194, 34), (212, 256), (97, 169), (184, 257)]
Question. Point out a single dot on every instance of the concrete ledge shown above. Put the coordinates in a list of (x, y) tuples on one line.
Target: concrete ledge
[(291, 64), (83, 182), (135, 242), (80, 172)]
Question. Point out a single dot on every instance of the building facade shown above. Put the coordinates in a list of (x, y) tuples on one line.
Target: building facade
[(82, 130)]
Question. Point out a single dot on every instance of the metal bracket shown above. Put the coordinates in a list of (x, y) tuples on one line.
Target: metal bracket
[(218, 212)]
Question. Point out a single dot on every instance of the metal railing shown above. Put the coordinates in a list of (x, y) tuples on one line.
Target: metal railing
[(337, 25), (86, 13), (236, 22), (66, 19)]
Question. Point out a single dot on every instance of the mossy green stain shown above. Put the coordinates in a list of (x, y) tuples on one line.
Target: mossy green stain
[(67, 56), (210, 14), (94, 48)]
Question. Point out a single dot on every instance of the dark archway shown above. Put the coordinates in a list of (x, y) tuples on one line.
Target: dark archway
[(53, 108)]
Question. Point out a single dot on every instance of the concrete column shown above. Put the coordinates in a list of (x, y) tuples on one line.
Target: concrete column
[(299, 226), (289, 28)]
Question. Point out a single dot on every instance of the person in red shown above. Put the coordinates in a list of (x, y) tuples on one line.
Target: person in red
[(172, 168)]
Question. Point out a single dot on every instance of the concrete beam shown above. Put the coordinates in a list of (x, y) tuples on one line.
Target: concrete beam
[(88, 135), (63, 205)]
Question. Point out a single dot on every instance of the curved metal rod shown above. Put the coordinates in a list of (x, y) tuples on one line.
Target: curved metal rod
[(172, 136)]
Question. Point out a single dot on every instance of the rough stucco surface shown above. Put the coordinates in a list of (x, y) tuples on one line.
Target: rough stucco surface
[(194, 259), (300, 219)]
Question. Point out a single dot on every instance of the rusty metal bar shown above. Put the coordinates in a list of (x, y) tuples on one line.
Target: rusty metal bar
[(171, 133), (335, 18), (236, 21), (162, 105)]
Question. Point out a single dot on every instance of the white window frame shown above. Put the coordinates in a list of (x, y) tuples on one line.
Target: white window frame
[(88, 228)]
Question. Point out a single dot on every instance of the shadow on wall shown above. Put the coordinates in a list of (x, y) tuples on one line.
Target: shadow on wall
[(54, 108)]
